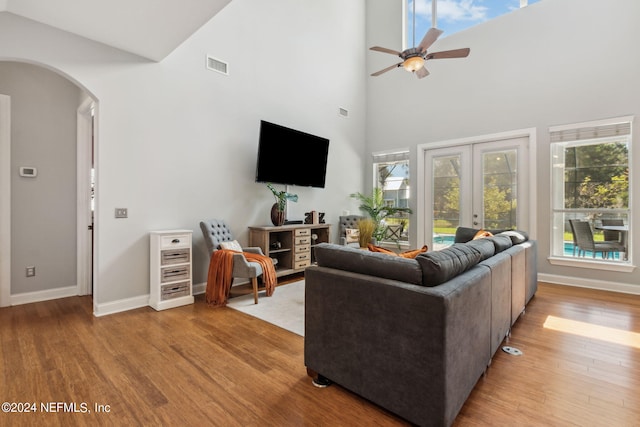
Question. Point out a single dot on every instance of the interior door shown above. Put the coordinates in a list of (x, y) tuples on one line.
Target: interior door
[(480, 185), (85, 197)]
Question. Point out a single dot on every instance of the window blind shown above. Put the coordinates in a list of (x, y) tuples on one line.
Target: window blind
[(591, 132), (390, 156)]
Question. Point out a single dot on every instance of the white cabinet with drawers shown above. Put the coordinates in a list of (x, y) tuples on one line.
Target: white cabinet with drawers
[(170, 269)]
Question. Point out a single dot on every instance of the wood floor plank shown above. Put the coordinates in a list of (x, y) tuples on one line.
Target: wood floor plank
[(196, 365)]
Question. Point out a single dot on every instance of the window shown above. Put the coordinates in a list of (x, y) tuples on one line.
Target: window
[(590, 184), (452, 16), (391, 174)]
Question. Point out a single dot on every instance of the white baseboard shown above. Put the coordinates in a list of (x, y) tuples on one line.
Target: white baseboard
[(121, 305), (199, 288), (38, 296), (589, 283)]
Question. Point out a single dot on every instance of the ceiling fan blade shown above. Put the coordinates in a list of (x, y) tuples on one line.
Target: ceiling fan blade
[(455, 53), (377, 73), (385, 50), (422, 72), (429, 38)]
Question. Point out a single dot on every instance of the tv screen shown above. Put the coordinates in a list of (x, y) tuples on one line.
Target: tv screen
[(289, 156)]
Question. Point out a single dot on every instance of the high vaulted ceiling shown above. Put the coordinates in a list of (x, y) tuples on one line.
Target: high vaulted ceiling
[(148, 28)]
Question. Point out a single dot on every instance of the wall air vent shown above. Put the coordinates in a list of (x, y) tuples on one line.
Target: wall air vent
[(214, 64)]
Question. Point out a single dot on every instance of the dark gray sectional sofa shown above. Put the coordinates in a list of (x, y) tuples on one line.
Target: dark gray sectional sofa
[(415, 335)]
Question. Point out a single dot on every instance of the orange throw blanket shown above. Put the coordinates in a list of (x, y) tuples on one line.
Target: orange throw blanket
[(220, 275)]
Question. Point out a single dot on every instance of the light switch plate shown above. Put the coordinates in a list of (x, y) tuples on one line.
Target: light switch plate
[(122, 213)]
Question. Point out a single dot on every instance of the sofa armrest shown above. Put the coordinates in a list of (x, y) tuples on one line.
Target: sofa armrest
[(414, 350)]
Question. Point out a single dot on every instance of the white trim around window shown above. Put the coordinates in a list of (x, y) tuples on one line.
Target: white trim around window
[(587, 131)]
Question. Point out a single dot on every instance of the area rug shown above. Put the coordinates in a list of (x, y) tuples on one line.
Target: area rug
[(285, 308)]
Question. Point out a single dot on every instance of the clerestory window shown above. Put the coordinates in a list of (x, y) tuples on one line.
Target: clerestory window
[(452, 16)]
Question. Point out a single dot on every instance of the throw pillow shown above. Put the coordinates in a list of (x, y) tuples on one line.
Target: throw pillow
[(516, 236), (353, 235), (406, 254), (374, 248), (413, 252), (231, 245), (440, 266), (482, 234)]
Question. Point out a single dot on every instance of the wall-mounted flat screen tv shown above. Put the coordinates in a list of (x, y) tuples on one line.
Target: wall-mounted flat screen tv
[(291, 157)]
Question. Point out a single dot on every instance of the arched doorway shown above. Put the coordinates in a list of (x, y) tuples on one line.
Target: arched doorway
[(53, 132)]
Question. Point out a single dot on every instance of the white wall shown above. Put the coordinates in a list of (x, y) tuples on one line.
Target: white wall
[(43, 209), (551, 63), (177, 143)]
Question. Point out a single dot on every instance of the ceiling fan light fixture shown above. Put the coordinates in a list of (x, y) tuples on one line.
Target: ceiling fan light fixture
[(413, 64)]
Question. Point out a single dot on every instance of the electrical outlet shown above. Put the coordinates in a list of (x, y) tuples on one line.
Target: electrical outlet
[(31, 271), (122, 213)]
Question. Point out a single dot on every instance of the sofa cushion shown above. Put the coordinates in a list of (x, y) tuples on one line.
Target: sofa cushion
[(485, 246), (440, 266), (367, 262), (466, 234), (501, 242)]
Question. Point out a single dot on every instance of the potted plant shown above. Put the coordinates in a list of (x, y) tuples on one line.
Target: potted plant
[(366, 228), (375, 206), (278, 210)]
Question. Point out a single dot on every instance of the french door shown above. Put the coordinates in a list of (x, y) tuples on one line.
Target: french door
[(482, 185)]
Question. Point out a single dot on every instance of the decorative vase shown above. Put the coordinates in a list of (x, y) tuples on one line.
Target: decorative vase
[(277, 216)]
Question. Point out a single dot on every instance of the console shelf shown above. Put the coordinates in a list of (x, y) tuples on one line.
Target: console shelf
[(292, 245)]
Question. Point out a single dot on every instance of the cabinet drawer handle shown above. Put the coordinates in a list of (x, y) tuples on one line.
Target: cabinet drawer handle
[(175, 241)]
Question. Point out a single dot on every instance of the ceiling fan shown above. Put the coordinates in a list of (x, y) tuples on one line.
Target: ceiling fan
[(413, 59)]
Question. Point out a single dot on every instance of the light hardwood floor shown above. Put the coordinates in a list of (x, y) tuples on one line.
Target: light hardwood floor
[(196, 365)]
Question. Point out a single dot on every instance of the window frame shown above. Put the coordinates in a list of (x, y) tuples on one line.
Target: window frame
[(409, 39), (394, 156), (583, 134)]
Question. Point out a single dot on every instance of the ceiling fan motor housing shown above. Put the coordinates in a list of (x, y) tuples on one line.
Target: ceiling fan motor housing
[(413, 59), (411, 52)]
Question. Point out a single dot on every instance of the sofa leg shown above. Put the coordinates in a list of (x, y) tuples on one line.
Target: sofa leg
[(321, 381)]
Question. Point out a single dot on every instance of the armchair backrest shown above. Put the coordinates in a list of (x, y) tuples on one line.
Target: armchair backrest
[(215, 231)]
